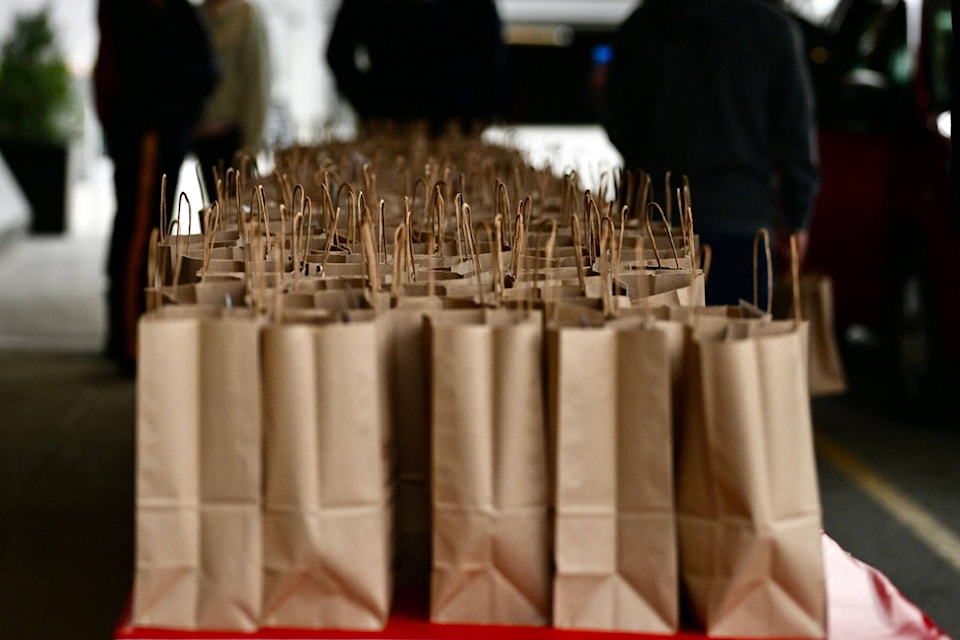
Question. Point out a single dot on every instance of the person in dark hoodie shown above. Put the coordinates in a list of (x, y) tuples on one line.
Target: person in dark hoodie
[(436, 61), (155, 69), (718, 91)]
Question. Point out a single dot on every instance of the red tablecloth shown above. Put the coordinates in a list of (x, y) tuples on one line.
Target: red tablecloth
[(862, 605)]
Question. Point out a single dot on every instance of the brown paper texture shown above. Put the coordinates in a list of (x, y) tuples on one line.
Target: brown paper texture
[(748, 501), (489, 484), (327, 512), (827, 376), (615, 547), (198, 474)]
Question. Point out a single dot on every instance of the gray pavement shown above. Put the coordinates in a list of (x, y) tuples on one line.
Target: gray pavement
[(895, 501), (66, 495), (66, 462)]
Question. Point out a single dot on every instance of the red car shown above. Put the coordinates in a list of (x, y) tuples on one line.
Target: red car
[(884, 228)]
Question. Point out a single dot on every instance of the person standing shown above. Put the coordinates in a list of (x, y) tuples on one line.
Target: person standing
[(154, 71), (233, 120), (438, 61), (719, 91)]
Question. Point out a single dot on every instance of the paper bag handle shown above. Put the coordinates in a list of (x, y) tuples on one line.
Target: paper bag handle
[(607, 244), (368, 247), (399, 253), (163, 206), (331, 236), (381, 232), (458, 218), (624, 211), (351, 198), (490, 240), (298, 249), (308, 222), (153, 280), (653, 242), (591, 214), (238, 202), (439, 218), (408, 223), (179, 261), (262, 202), (498, 258), (547, 250), (795, 277), (578, 252), (666, 225), (765, 235), (519, 239)]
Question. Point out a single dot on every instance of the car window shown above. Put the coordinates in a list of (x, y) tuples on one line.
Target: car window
[(881, 44), (939, 41), (861, 66)]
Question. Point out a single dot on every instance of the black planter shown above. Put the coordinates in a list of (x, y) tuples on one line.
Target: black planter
[(40, 169)]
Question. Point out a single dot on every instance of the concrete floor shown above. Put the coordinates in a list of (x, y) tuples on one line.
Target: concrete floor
[(66, 495), (890, 496)]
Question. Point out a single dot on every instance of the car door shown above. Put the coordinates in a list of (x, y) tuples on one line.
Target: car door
[(862, 68)]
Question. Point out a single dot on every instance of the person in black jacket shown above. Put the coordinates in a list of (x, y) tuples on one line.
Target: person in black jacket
[(438, 61), (155, 70), (719, 91)]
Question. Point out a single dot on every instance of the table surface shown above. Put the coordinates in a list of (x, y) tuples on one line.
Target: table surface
[(862, 605)]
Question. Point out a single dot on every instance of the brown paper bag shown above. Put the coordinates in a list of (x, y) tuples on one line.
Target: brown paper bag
[(198, 472), (825, 367), (489, 482), (327, 514), (615, 543), (748, 503), (677, 288)]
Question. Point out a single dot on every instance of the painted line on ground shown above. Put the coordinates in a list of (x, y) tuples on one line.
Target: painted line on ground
[(935, 535)]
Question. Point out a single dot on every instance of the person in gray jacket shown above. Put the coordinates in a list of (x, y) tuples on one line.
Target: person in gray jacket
[(235, 115), (719, 91)]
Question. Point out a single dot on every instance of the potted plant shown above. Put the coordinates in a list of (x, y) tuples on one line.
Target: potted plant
[(38, 116)]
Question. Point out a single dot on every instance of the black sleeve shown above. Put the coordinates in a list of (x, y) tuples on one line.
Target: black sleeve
[(794, 132)]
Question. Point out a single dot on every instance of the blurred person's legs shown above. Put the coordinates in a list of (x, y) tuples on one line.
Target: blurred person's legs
[(215, 151), (139, 164)]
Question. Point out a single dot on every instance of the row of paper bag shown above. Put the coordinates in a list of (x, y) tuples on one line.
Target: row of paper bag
[(524, 466)]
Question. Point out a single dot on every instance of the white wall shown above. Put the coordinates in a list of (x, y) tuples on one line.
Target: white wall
[(74, 20), (298, 32)]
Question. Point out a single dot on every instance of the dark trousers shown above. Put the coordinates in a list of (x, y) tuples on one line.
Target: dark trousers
[(731, 270), (140, 160), (215, 151)]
